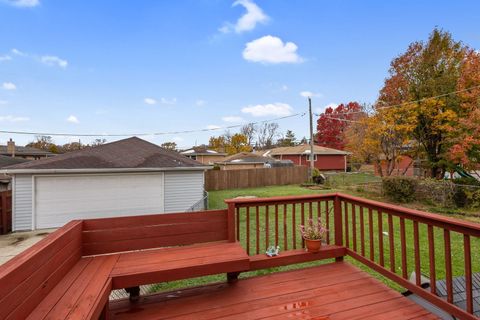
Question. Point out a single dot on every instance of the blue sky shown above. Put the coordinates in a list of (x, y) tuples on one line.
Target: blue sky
[(160, 66)]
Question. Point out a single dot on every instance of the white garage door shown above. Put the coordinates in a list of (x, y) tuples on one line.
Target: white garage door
[(59, 199)]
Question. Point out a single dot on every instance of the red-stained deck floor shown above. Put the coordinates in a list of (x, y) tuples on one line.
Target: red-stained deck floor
[(331, 291)]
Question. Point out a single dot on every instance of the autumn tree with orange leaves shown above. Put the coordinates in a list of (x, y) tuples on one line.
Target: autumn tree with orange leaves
[(430, 103)]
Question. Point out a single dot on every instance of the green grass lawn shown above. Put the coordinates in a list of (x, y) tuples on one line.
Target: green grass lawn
[(216, 201)]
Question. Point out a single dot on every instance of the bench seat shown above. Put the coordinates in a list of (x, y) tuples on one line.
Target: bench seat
[(82, 293), (176, 263)]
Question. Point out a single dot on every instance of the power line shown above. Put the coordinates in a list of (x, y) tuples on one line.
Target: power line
[(139, 134)]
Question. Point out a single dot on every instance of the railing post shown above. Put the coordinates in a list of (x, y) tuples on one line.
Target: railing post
[(231, 222), (337, 220)]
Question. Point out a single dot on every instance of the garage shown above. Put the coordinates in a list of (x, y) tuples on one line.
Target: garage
[(123, 178), (59, 199)]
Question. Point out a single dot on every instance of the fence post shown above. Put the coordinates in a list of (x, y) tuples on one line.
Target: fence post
[(231, 222), (338, 225)]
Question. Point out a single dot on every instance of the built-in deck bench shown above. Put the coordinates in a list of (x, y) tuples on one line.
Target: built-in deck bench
[(70, 274)]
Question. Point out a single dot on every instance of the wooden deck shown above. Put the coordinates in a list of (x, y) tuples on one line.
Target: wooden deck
[(332, 291)]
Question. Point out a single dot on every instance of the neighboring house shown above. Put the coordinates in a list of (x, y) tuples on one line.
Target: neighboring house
[(29, 153), (404, 166), (204, 155), (249, 160), (325, 159), (123, 178), (5, 180)]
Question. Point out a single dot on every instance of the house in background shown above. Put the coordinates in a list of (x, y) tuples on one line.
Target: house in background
[(6, 180), (29, 153), (325, 159), (204, 155), (249, 160), (122, 178)]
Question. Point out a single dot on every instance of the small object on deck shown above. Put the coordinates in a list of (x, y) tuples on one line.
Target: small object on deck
[(272, 251), (134, 293), (232, 277)]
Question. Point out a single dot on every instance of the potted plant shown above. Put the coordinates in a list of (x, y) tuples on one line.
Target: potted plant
[(313, 234)]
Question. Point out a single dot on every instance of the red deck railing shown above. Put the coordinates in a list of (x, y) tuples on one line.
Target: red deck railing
[(391, 240)]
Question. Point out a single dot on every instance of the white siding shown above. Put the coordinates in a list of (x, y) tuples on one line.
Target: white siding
[(22, 202), (182, 190)]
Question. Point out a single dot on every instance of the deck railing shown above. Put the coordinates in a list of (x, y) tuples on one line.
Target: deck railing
[(392, 240)]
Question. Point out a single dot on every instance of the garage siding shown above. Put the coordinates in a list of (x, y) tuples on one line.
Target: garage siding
[(182, 190), (22, 204)]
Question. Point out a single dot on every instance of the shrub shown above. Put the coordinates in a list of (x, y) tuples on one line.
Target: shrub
[(400, 189), (467, 193)]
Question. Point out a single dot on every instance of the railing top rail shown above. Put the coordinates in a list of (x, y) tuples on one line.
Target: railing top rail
[(280, 199), (452, 224)]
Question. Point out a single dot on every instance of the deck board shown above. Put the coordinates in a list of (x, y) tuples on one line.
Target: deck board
[(330, 291)]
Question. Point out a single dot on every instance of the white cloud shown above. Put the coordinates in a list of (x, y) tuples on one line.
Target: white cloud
[(168, 101), (212, 127), (249, 20), (322, 109), (3, 102), (284, 87), (232, 119), (73, 119), (269, 49), (272, 109), (13, 119), (18, 52), (23, 3), (9, 86), (200, 102), (178, 139), (310, 94), (54, 61), (150, 101), (5, 57)]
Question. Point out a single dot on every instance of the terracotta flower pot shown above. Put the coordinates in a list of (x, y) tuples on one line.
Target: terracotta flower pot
[(313, 245)]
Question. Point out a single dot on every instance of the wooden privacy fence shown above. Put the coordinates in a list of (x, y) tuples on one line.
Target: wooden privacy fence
[(252, 178), (5, 212)]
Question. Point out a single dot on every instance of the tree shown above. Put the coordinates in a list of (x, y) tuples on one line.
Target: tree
[(98, 142), (73, 146), (266, 134), (332, 124), (249, 131), (44, 143), (423, 81), (288, 140), (229, 143), (172, 146)]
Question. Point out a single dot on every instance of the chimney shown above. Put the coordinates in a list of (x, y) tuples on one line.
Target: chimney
[(11, 147)]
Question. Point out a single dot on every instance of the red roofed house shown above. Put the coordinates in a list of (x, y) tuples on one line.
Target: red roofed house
[(326, 159)]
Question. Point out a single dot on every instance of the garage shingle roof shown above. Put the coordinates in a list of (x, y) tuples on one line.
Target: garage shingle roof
[(123, 154)]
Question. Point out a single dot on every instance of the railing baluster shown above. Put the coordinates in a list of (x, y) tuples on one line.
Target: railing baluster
[(237, 211), (248, 230), (354, 227), (257, 220), (327, 214), (267, 228), (416, 245), (403, 245), (276, 225), (285, 234), (431, 254), (448, 265), (362, 232), (303, 221), (294, 227), (347, 239), (310, 209), (370, 230), (391, 243), (380, 238), (468, 272)]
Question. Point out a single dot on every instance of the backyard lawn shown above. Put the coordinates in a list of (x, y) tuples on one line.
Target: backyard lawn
[(216, 201)]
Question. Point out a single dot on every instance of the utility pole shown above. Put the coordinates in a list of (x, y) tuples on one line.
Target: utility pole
[(312, 155)]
